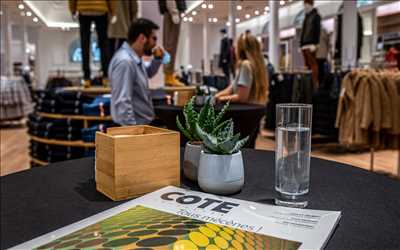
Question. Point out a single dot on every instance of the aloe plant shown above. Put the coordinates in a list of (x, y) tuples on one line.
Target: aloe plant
[(207, 119), (221, 140)]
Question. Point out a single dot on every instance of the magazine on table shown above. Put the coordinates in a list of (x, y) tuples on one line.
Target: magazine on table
[(175, 218)]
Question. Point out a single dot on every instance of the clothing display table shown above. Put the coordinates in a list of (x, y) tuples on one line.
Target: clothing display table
[(15, 98), (246, 118), (40, 200)]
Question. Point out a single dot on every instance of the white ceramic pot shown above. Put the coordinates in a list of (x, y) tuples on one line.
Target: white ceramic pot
[(191, 160), (221, 174)]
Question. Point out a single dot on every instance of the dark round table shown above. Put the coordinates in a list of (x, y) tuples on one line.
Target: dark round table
[(246, 118), (40, 200)]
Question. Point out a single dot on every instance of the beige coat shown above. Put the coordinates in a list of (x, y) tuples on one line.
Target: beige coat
[(126, 11), (369, 109)]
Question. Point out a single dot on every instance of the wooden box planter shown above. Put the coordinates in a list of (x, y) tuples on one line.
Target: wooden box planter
[(132, 161)]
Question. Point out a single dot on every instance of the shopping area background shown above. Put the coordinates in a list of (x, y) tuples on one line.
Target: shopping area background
[(308, 61)]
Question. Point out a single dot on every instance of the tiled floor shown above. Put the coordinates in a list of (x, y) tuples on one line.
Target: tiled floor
[(15, 142)]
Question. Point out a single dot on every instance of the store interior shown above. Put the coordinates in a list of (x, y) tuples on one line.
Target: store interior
[(41, 44), (108, 100)]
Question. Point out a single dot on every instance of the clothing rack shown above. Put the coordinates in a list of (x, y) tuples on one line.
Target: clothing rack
[(372, 147)]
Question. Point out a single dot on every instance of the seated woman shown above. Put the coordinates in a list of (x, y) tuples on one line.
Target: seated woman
[(251, 82)]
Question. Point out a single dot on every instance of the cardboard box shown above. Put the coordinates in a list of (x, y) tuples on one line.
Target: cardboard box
[(135, 160)]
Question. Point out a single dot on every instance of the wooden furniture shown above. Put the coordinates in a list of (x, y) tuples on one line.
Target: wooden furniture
[(134, 160), (182, 94)]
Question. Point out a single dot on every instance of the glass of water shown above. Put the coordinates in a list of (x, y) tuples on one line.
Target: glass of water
[(292, 154)]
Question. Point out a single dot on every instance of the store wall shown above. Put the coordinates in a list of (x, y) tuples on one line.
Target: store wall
[(190, 50), (52, 53)]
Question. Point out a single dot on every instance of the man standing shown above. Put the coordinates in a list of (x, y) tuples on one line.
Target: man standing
[(225, 54), (131, 103)]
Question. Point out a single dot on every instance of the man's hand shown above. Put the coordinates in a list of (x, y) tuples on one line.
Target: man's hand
[(158, 52)]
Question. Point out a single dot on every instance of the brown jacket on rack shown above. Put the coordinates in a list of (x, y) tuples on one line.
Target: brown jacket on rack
[(369, 109)]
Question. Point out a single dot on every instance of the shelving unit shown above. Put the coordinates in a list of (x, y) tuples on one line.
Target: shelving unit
[(86, 120), (63, 142), (39, 162)]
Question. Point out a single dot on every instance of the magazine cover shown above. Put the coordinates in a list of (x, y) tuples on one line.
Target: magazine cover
[(175, 218)]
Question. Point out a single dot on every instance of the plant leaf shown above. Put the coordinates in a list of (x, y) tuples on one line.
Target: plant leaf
[(221, 113), (220, 126), (183, 130), (239, 145), (228, 145), (210, 142)]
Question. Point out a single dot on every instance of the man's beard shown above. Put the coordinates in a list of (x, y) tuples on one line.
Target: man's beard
[(147, 50)]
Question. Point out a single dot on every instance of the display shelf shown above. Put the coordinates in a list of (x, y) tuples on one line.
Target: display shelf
[(185, 88), (63, 142), (91, 90), (39, 162), (75, 117)]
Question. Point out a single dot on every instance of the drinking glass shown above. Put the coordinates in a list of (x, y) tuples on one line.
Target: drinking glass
[(292, 154)]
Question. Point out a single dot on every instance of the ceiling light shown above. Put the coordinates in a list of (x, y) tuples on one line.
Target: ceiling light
[(35, 19), (22, 13), (209, 19), (21, 6), (185, 19), (256, 12), (228, 24), (190, 19), (266, 8), (204, 6), (194, 13), (265, 12), (182, 15), (1, 12), (29, 13), (215, 19), (247, 16), (211, 6), (237, 20), (239, 7), (282, 2)]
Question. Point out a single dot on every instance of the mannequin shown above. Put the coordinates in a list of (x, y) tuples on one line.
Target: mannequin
[(171, 10), (310, 35), (225, 54), (126, 11), (99, 12)]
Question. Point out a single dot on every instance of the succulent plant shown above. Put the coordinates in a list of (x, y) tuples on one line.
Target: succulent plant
[(221, 140), (207, 119)]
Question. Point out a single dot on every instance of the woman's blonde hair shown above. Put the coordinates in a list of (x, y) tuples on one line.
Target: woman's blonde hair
[(248, 49)]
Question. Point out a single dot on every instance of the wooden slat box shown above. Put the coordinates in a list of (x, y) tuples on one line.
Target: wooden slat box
[(134, 160)]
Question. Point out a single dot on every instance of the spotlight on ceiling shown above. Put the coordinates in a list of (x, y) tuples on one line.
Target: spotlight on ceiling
[(210, 19), (21, 6), (282, 2), (211, 6), (22, 13), (185, 19), (194, 13), (29, 13), (190, 19), (247, 16), (266, 8), (237, 20), (35, 19), (239, 7), (256, 12), (182, 15), (228, 24), (215, 19), (204, 6)]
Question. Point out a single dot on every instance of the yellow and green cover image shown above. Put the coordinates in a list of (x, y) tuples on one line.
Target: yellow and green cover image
[(144, 228)]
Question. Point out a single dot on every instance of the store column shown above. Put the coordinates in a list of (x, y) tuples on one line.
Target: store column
[(206, 60), (273, 51), (232, 20), (349, 37)]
